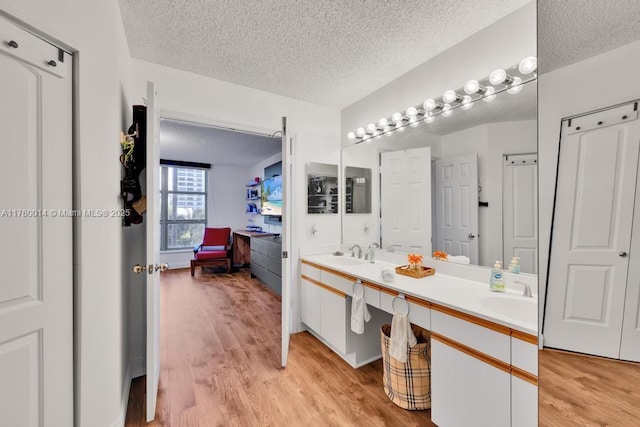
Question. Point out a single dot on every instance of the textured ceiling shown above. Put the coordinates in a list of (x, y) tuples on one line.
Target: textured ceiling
[(327, 52), (570, 31), (200, 143)]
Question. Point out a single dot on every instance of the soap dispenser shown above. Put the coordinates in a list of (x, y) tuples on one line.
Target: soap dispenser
[(496, 283), (514, 265)]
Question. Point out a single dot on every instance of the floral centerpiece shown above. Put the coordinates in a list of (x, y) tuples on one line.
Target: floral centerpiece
[(440, 256), (415, 261)]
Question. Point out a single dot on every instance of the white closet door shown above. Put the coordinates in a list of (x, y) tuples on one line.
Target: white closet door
[(630, 344), (457, 206), (592, 232), (520, 211), (36, 255), (406, 200)]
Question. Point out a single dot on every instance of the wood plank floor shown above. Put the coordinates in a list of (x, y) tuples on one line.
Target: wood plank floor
[(579, 390), (220, 365)]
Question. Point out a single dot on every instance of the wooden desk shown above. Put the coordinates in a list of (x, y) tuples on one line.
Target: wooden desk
[(242, 246)]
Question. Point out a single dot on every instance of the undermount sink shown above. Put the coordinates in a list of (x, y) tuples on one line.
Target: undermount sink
[(339, 260), (522, 309)]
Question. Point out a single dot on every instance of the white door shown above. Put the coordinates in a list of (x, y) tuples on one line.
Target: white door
[(405, 178), (457, 206), (36, 257), (520, 210), (287, 203), (591, 233), (630, 343), (152, 225)]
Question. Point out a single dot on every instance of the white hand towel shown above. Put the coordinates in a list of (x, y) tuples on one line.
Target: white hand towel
[(401, 336), (359, 314), (460, 259)]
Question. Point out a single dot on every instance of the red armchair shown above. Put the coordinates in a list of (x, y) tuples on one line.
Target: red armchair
[(215, 249)]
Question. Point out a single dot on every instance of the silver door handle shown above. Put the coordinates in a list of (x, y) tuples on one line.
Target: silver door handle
[(472, 236), (139, 268), (622, 254), (162, 266)]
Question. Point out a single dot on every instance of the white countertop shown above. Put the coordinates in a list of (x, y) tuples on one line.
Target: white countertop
[(509, 309)]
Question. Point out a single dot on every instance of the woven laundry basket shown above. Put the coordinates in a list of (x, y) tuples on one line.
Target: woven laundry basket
[(408, 385)]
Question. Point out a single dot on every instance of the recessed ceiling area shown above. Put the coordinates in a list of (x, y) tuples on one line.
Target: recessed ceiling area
[(327, 52), (192, 142)]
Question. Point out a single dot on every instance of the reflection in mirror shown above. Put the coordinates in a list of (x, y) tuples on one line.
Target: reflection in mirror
[(357, 191), (482, 185), (322, 188)]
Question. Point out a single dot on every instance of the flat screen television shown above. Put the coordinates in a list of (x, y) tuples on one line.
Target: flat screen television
[(272, 196)]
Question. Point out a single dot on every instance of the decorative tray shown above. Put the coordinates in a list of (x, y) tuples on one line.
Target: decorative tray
[(417, 273)]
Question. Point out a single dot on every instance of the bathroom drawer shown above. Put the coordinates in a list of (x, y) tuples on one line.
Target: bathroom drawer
[(486, 337), (419, 313), (274, 249), (386, 300), (524, 354), (372, 295), (309, 271), (258, 258), (337, 282)]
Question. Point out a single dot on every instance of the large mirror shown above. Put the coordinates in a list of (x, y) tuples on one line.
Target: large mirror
[(465, 184)]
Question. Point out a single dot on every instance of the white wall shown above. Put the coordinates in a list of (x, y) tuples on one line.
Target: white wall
[(315, 131), (94, 30), (601, 81), (503, 44)]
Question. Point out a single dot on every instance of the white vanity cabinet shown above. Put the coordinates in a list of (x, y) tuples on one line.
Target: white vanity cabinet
[(470, 371), (524, 380), (323, 308)]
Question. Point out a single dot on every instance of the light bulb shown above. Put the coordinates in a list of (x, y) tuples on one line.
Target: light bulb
[(375, 134), (400, 129), (411, 112), (528, 65), (371, 128), (414, 122), (489, 95), (360, 132), (467, 102), (387, 130), (383, 123), (471, 87), (397, 118), (429, 118), (446, 110), (450, 96), (351, 136), (498, 76), (366, 137), (516, 86), (429, 105)]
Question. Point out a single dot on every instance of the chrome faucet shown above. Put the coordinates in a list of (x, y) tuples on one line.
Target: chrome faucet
[(353, 253), (527, 289)]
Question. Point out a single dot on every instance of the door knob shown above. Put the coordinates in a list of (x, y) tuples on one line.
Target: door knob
[(622, 254), (163, 266), (472, 236), (139, 268)]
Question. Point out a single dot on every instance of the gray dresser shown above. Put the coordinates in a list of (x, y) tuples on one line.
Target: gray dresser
[(266, 261)]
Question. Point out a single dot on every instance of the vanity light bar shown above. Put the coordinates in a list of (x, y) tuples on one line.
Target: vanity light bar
[(510, 80)]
